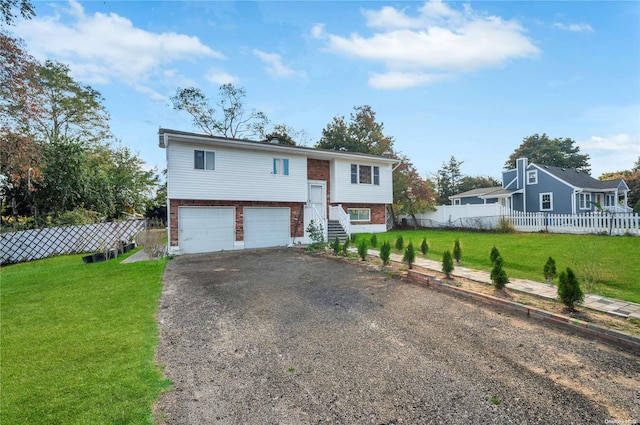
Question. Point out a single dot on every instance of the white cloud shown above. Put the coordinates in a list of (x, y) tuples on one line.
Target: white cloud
[(611, 153), (317, 31), (439, 39), (402, 80), (220, 77), (616, 143), (574, 27), (101, 47), (275, 68)]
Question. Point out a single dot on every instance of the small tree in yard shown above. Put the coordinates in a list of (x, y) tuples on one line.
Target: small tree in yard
[(457, 251), (362, 250), (550, 270), (385, 252), (494, 255), (399, 243), (335, 245), (409, 255), (316, 234), (374, 240), (424, 246), (569, 291), (345, 247), (447, 264), (498, 275)]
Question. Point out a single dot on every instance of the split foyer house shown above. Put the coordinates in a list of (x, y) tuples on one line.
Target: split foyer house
[(533, 187), (225, 194)]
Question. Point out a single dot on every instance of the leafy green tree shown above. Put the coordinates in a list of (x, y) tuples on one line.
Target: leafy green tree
[(494, 255), (7, 13), (558, 152), (498, 274), (569, 291), (550, 270), (411, 193), (469, 183), (424, 246), (362, 250), (447, 264), (457, 251), (409, 255), (283, 133), (632, 178), (228, 118), (399, 243), (448, 179), (361, 134), (385, 252)]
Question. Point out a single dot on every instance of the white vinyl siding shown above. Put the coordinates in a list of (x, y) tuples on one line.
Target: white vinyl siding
[(241, 175), (343, 190)]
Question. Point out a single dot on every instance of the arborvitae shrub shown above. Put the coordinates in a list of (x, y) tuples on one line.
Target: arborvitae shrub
[(447, 263), (457, 251), (409, 255), (385, 252), (353, 237), (494, 255), (345, 247), (374, 240), (569, 291), (335, 245), (399, 243), (424, 246), (498, 275), (550, 270), (362, 250)]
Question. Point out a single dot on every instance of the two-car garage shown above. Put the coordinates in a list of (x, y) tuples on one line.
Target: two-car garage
[(209, 228)]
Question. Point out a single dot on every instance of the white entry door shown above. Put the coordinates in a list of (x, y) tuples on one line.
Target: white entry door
[(318, 197)]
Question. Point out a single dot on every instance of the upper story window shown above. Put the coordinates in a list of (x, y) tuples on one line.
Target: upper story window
[(532, 177), (204, 160), (365, 174), (281, 166), (585, 201)]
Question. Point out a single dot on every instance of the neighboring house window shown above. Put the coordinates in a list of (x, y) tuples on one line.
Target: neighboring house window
[(585, 199), (281, 166), (365, 174), (546, 201), (359, 214), (456, 201), (532, 177), (204, 160)]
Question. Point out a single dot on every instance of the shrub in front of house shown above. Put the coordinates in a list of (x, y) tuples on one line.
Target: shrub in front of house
[(498, 275), (362, 250), (399, 243), (374, 240), (424, 246), (550, 270), (345, 247), (457, 251), (494, 255), (385, 252), (569, 291), (335, 246), (409, 255), (447, 264)]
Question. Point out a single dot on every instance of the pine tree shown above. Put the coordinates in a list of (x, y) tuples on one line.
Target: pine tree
[(550, 270), (447, 264), (409, 255), (385, 252), (457, 251), (362, 250), (345, 247), (424, 246), (335, 245), (494, 255), (374, 240), (498, 275), (399, 243), (569, 291)]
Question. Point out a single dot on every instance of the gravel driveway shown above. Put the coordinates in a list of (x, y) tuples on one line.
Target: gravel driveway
[(280, 336)]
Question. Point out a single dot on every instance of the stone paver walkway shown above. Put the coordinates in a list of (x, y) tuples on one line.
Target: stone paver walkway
[(594, 302)]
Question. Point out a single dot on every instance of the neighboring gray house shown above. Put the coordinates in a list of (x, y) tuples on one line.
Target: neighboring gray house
[(533, 187)]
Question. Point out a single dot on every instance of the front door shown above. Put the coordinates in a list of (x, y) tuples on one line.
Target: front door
[(318, 197)]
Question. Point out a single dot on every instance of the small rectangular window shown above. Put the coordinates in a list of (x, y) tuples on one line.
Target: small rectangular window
[(365, 174), (204, 160), (281, 166), (546, 201), (585, 201), (376, 176), (354, 173), (359, 214), (532, 177)]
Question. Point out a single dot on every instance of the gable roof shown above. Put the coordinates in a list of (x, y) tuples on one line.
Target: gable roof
[(326, 154), (579, 179), (479, 192)]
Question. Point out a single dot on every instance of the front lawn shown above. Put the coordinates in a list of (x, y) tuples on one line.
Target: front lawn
[(78, 341), (616, 259)]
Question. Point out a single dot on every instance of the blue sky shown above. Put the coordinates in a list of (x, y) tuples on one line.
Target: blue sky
[(469, 79)]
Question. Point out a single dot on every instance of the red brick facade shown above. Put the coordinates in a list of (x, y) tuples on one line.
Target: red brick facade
[(296, 208)]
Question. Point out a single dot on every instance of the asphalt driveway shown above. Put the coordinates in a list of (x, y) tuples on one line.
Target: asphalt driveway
[(286, 337)]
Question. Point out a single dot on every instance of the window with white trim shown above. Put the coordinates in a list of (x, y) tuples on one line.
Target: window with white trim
[(204, 160), (584, 201), (532, 177), (359, 214), (365, 174), (281, 166), (546, 201), (609, 200), (456, 201)]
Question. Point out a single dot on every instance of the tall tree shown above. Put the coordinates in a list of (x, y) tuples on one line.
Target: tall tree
[(230, 119), (7, 10), (558, 152), (361, 134), (632, 178), (448, 179), (412, 194), (469, 183)]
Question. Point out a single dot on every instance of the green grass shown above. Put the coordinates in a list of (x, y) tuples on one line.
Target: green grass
[(525, 255), (78, 342)]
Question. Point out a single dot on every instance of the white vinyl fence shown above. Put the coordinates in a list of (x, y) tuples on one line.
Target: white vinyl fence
[(487, 216), (28, 245)]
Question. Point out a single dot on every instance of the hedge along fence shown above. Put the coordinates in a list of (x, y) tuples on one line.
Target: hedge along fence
[(29, 245)]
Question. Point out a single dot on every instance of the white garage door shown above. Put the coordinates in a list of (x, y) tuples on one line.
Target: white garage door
[(206, 229), (264, 227)]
